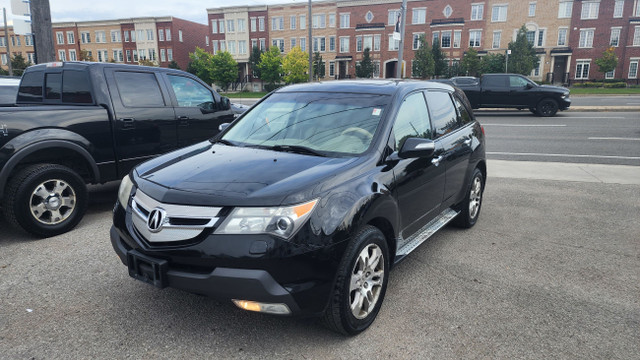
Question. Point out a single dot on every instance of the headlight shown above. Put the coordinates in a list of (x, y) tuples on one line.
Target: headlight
[(565, 95), (124, 191), (279, 221)]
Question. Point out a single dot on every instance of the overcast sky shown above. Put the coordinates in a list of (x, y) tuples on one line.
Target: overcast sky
[(194, 10)]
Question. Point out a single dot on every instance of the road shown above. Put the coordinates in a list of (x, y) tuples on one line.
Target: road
[(604, 100), (589, 137)]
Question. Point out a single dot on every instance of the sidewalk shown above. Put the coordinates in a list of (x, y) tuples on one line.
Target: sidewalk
[(593, 173)]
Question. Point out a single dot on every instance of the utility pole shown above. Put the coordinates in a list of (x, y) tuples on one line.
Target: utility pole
[(506, 62), (6, 41), (310, 45), (403, 11), (42, 31)]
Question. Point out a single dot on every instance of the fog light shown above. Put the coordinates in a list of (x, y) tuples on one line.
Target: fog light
[(280, 309)]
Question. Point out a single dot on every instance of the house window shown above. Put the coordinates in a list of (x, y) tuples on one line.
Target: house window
[(376, 42), (223, 46), (277, 23), (394, 45), (435, 37), (72, 55), (221, 28), (564, 9), (636, 11), (590, 10), (615, 37), (633, 69), (474, 38), (261, 24), (393, 16), (62, 55), (303, 22), (85, 37), (263, 44), (292, 22), (293, 42), (167, 32), (128, 53), (140, 35), (253, 25), (28, 39), (214, 26), (416, 40), (376, 68), (180, 35), (169, 54), (586, 38), (582, 69), (368, 42), (135, 55), (163, 55), (446, 39), (115, 36), (618, 8), (231, 26), (103, 55), (332, 20), (344, 44), (319, 44), (345, 21), (231, 46), (636, 36), (499, 13), (496, 39), (71, 38), (242, 47), (562, 37), (241, 27), (214, 45), (60, 37), (279, 43), (332, 43), (448, 10), (101, 37), (610, 74), (358, 43), (532, 9), (540, 41), (457, 37), (161, 35), (476, 11), (303, 44), (332, 68), (419, 16), (319, 21)]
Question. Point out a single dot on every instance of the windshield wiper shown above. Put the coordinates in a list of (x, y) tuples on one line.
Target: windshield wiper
[(296, 149), (223, 141)]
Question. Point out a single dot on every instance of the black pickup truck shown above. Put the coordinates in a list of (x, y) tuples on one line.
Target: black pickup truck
[(76, 123), (515, 91)]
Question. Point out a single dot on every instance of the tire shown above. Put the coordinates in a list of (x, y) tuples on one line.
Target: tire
[(46, 199), (533, 110), (472, 203), (355, 277), (547, 107)]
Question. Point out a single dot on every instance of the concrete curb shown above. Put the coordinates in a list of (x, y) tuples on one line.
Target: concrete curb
[(572, 109)]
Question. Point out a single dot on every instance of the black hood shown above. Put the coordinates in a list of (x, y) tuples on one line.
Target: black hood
[(221, 175), (558, 89)]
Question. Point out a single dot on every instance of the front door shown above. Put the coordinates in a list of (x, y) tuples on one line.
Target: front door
[(419, 181), (342, 69), (559, 69), (144, 125), (390, 69), (197, 112)]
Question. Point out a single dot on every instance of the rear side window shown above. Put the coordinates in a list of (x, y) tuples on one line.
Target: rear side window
[(76, 88), (443, 113), (462, 110), (31, 87), (138, 89), (494, 81), (412, 120), (53, 85)]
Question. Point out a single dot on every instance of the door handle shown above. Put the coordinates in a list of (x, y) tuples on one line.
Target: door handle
[(436, 161), (128, 123), (183, 120)]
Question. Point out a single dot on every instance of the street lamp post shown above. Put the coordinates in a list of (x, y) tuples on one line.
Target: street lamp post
[(309, 44)]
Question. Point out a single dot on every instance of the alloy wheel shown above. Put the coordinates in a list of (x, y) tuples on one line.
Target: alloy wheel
[(366, 281), (52, 202)]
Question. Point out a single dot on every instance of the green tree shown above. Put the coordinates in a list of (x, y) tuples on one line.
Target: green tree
[(85, 55), (224, 69), (201, 65), (607, 62), (523, 58), (254, 61), (492, 63), (145, 62), (470, 63), (423, 65), (173, 65), (364, 68), (271, 67), (295, 66), (439, 62), (318, 66), (18, 64)]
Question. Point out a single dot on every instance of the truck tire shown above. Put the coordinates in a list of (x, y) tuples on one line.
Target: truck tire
[(45, 199), (362, 280), (547, 107)]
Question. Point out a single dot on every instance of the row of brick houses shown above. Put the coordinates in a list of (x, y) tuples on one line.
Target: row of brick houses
[(568, 35), (156, 39)]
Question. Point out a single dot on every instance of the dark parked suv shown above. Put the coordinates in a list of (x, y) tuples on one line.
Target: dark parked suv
[(304, 203)]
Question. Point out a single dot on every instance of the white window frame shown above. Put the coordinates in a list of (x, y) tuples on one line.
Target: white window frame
[(394, 45), (636, 35), (580, 64), (419, 16), (532, 9), (479, 38), (62, 55), (253, 24), (495, 45), (318, 21), (161, 35), (231, 26), (332, 20), (566, 36), (565, 8), (457, 38), (478, 8), (242, 26), (332, 68), (610, 75), (618, 9), (377, 41), (169, 54), (341, 48), (590, 10), (332, 43), (293, 42), (73, 56), (633, 75), (214, 26), (586, 38), (292, 22), (167, 34), (345, 20), (277, 23), (59, 38), (180, 35), (260, 23), (615, 30), (71, 37), (163, 55), (415, 43), (392, 16), (303, 21), (499, 12)]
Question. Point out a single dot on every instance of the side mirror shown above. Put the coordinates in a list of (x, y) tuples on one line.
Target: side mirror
[(223, 126), (529, 86), (225, 104), (417, 147)]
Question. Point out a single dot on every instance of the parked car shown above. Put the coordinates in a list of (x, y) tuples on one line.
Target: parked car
[(238, 109), (515, 91), (77, 123), (8, 90), (465, 80), (303, 204)]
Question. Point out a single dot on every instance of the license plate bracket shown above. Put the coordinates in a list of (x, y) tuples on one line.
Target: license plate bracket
[(146, 269)]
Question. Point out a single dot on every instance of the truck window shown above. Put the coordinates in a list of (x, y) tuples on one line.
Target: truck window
[(517, 82), (190, 93), (443, 113), (494, 81), (31, 87), (53, 86), (462, 110), (76, 88), (412, 120), (138, 89)]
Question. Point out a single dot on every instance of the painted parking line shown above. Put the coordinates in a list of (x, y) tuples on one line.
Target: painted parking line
[(526, 125), (614, 138), (566, 155), (596, 117)]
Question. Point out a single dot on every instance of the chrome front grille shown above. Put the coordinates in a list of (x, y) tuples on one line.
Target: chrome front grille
[(163, 223)]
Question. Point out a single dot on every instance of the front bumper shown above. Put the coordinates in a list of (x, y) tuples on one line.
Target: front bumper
[(564, 103)]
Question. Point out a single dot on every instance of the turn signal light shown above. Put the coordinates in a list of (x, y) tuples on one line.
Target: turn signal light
[(279, 309)]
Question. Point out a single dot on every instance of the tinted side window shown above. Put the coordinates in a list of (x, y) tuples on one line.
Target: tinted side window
[(412, 120), (190, 93), (138, 89), (76, 88), (462, 110), (517, 82), (494, 81), (31, 87), (53, 86), (443, 113)]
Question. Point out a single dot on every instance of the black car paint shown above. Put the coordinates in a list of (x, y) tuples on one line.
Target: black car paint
[(93, 132), (352, 192)]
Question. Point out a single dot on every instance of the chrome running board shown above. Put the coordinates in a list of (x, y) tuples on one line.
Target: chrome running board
[(423, 234)]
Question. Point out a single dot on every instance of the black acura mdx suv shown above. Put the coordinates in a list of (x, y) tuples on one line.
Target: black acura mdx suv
[(304, 203)]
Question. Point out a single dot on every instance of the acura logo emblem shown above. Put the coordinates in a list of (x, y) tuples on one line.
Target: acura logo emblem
[(156, 220)]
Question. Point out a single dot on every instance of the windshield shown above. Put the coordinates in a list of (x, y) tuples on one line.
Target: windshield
[(342, 123)]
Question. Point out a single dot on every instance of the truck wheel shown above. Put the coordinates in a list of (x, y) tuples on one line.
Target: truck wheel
[(533, 110), (361, 284), (470, 206), (46, 199), (547, 107)]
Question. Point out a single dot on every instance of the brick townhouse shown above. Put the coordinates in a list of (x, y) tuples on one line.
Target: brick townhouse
[(19, 44), (156, 39), (598, 25)]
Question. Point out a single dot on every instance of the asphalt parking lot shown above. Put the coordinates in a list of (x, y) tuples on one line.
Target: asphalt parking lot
[(551, 270)]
